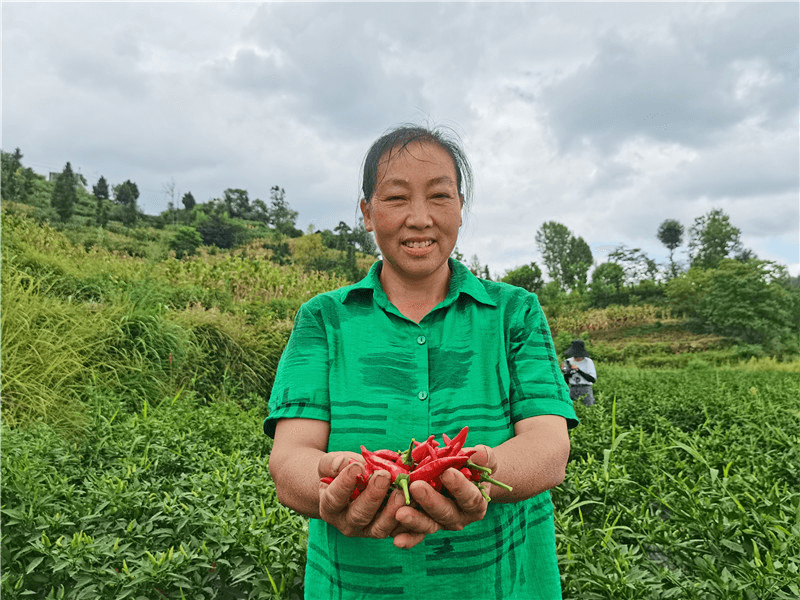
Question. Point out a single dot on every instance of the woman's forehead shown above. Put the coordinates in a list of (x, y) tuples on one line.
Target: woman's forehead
[(423, 151)]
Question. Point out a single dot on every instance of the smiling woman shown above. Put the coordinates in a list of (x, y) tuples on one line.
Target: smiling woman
[(420, 348), (415, 214)]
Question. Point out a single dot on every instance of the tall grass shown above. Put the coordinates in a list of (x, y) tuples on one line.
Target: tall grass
[(77, 320), (46, 346)]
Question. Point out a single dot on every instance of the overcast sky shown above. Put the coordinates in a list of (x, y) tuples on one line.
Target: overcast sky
[(606, 117)]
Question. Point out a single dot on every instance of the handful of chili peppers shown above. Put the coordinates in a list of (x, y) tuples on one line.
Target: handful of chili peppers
[(424, 461)]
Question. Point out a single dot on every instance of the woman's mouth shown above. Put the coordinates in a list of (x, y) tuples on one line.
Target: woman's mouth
[(413, 244), (418, 248)]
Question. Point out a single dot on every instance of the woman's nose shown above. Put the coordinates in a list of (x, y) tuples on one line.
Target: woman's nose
[(419, 214)]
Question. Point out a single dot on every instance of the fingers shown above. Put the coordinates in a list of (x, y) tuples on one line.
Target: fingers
[(335, 497), (466, 494), (363, 509), (484, 457), (467, 504), (385, 523), (415, 521), (407, 540), (333, 463)]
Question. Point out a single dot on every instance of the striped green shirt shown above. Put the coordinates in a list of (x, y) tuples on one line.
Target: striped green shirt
[(484, 357)]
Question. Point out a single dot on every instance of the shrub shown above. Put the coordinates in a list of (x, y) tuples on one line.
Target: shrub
[(185, 242)]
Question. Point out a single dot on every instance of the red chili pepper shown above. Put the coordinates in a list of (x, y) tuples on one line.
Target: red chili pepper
[(432, 452), (328, 480), (446, 439), (381, 463), (455, 445), (420, 451), (436, 467), (387, 454), (424, 461), (471, 475)]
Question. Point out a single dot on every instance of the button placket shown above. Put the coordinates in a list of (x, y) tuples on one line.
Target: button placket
[(423, 391)]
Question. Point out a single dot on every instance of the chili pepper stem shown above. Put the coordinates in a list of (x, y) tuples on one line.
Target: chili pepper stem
[(499, 484), (483, 492), (402, 483), (472, 465)]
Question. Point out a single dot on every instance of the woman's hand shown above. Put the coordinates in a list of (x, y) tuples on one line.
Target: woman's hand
[(366, 516), (436, 511)]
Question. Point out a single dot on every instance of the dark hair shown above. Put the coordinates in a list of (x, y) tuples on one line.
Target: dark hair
[(400, 137)]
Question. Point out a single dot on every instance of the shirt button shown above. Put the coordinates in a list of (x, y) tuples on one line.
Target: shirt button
[(421, 340), (423, 395)]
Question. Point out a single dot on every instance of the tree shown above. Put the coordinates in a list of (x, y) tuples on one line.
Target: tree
[(100, 189), (64, 195), (608, 280), (188, 201), (566, 257), (748, 301), (101, 213), (185, 242), (237, 202), (308, 250), (281, 216), (528, 277), (637, 265), (101, 192), (169, 191), (553, 240), (712, 238), (578, 261), (343, 235), (17, 181), (363, 239), (218, 230), (126, 194), (670, 233), (475, 265)]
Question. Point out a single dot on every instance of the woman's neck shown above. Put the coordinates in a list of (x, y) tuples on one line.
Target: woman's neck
[(416, 298)]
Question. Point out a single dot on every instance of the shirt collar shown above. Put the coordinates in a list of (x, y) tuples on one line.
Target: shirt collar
[(462, 281)]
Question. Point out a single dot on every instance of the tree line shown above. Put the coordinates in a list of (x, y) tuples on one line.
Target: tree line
[(723, 288), (224, 222)]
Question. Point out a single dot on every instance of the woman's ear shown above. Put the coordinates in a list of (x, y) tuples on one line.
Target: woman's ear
[(366, 211)]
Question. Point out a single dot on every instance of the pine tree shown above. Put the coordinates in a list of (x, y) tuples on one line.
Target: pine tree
[(64, 196)]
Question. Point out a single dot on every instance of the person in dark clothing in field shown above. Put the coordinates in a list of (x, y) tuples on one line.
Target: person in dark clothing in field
[(579, 373)]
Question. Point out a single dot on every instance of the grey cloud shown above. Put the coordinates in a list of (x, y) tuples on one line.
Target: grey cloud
[(680, 90), (334, 68)]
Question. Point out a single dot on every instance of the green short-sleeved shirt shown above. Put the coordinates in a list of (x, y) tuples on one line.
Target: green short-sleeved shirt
[(484, 357)]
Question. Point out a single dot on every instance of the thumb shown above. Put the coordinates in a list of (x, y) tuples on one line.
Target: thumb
[(485, 457)]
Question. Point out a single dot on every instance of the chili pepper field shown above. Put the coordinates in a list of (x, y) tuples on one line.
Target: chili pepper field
[(682, 484)]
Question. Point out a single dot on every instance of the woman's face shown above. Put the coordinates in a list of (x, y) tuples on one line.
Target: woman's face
[(415, 210)]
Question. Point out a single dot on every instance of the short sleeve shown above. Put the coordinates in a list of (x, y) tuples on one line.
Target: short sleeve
[(590, 368), (537, 385), (301, 382)]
